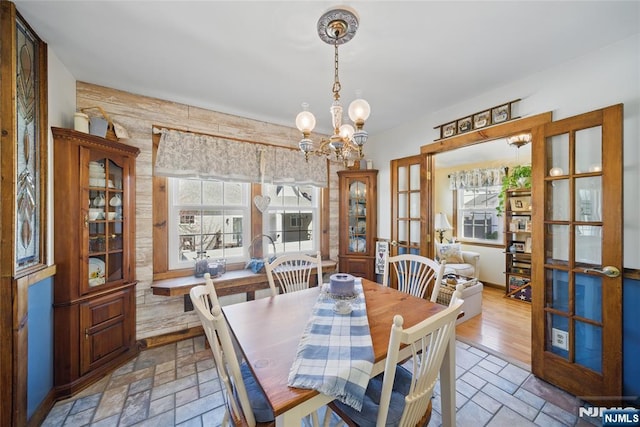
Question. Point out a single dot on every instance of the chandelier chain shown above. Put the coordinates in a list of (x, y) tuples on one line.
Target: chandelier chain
[(336, 80)]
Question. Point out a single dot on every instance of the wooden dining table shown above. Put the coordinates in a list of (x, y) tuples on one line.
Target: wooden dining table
[(268, 331)]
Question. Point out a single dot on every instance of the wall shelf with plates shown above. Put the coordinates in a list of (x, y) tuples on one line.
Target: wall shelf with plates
[(94, 230), (357, 221)]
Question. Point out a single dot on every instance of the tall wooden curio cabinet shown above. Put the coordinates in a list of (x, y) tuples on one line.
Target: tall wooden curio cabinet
[(358, 221), (94, 230)]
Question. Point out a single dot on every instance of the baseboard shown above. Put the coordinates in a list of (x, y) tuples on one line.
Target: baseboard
[(41, 412), (170, 337), (493, 285)]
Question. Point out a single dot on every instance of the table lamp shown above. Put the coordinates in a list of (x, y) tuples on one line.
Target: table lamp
[(441, 225)]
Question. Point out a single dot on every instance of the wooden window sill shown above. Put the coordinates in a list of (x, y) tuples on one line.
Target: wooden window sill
[(232, 282)]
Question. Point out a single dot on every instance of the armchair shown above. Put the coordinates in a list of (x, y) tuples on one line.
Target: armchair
[(463, 263)]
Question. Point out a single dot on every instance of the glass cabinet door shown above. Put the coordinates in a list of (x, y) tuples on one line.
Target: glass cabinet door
[(357, 217), (104, 223)]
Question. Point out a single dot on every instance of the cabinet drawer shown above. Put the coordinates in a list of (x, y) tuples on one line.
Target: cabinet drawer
[(103, 310)]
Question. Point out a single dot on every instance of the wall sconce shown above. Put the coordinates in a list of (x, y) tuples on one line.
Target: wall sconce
[(441, 224)]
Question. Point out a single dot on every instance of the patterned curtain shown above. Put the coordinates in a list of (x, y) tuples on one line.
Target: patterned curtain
[(194, 155), (476, 178)]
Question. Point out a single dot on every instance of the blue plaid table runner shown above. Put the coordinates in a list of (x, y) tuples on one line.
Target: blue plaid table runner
[(335, 353)]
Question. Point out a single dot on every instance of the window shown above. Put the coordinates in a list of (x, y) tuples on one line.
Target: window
[(208, 217), (477, 216), (290, 218)]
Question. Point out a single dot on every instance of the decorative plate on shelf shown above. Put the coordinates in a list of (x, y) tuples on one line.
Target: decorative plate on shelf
[(96, 272), (357, 244)]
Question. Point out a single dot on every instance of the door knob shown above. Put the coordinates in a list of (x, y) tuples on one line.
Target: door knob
[(608, 271), (394, 243)]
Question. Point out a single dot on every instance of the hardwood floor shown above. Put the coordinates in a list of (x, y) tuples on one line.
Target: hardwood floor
[(504, 327)]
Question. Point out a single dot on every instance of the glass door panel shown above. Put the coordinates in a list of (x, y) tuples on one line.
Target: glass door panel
[(357, 217), (588, 150), (588, 344), (588, 203), (414, 177), (588, 241), (403, 236), (557, 244), (403, 206), (557, 290), (559, 209), (588, 296), (402, 178), (557, 341), (557, 155), (414, 237), (414, 205)]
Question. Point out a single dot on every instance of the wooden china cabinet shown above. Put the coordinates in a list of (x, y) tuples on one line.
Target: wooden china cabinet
[(94, 237), (358, 193)]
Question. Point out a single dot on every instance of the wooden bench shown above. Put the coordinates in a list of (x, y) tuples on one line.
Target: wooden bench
[(230, 283)]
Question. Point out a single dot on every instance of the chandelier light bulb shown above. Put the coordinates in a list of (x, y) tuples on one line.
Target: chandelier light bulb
[(346, 132), (359, 111), (305, 120)]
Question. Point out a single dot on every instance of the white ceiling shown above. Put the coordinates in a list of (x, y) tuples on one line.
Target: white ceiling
[(262, 59)]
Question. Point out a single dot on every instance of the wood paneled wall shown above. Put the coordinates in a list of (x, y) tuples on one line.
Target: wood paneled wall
[(158, 315)]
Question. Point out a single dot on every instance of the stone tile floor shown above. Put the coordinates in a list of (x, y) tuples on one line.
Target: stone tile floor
[(177, 385)]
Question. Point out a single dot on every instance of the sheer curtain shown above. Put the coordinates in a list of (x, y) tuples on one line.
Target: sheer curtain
[(195, 155)]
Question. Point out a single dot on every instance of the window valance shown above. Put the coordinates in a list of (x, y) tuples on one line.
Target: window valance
[(475, 178), (195, 155)]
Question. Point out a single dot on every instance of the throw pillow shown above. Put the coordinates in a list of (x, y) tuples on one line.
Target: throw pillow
[(451, 253)]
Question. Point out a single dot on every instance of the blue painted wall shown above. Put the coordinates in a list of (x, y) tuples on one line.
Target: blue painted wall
[(631, 337), (40, 343)]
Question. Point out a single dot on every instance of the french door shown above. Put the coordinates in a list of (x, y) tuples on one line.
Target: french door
[(577, 254), (408, 215)]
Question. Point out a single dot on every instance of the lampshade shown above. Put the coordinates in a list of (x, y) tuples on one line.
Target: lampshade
[(441, 222)]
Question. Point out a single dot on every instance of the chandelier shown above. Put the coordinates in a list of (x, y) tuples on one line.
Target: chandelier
[(336, 27)]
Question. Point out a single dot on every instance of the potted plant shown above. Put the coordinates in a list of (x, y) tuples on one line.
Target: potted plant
[(517, 177)]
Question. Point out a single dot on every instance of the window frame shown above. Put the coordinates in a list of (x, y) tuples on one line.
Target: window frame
[(460, 213), (314, 207), (174, 236)]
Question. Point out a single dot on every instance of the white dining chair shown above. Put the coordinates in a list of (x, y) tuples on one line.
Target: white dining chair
[(414, 274), (399, 397), (245, 403), (293, 272)]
